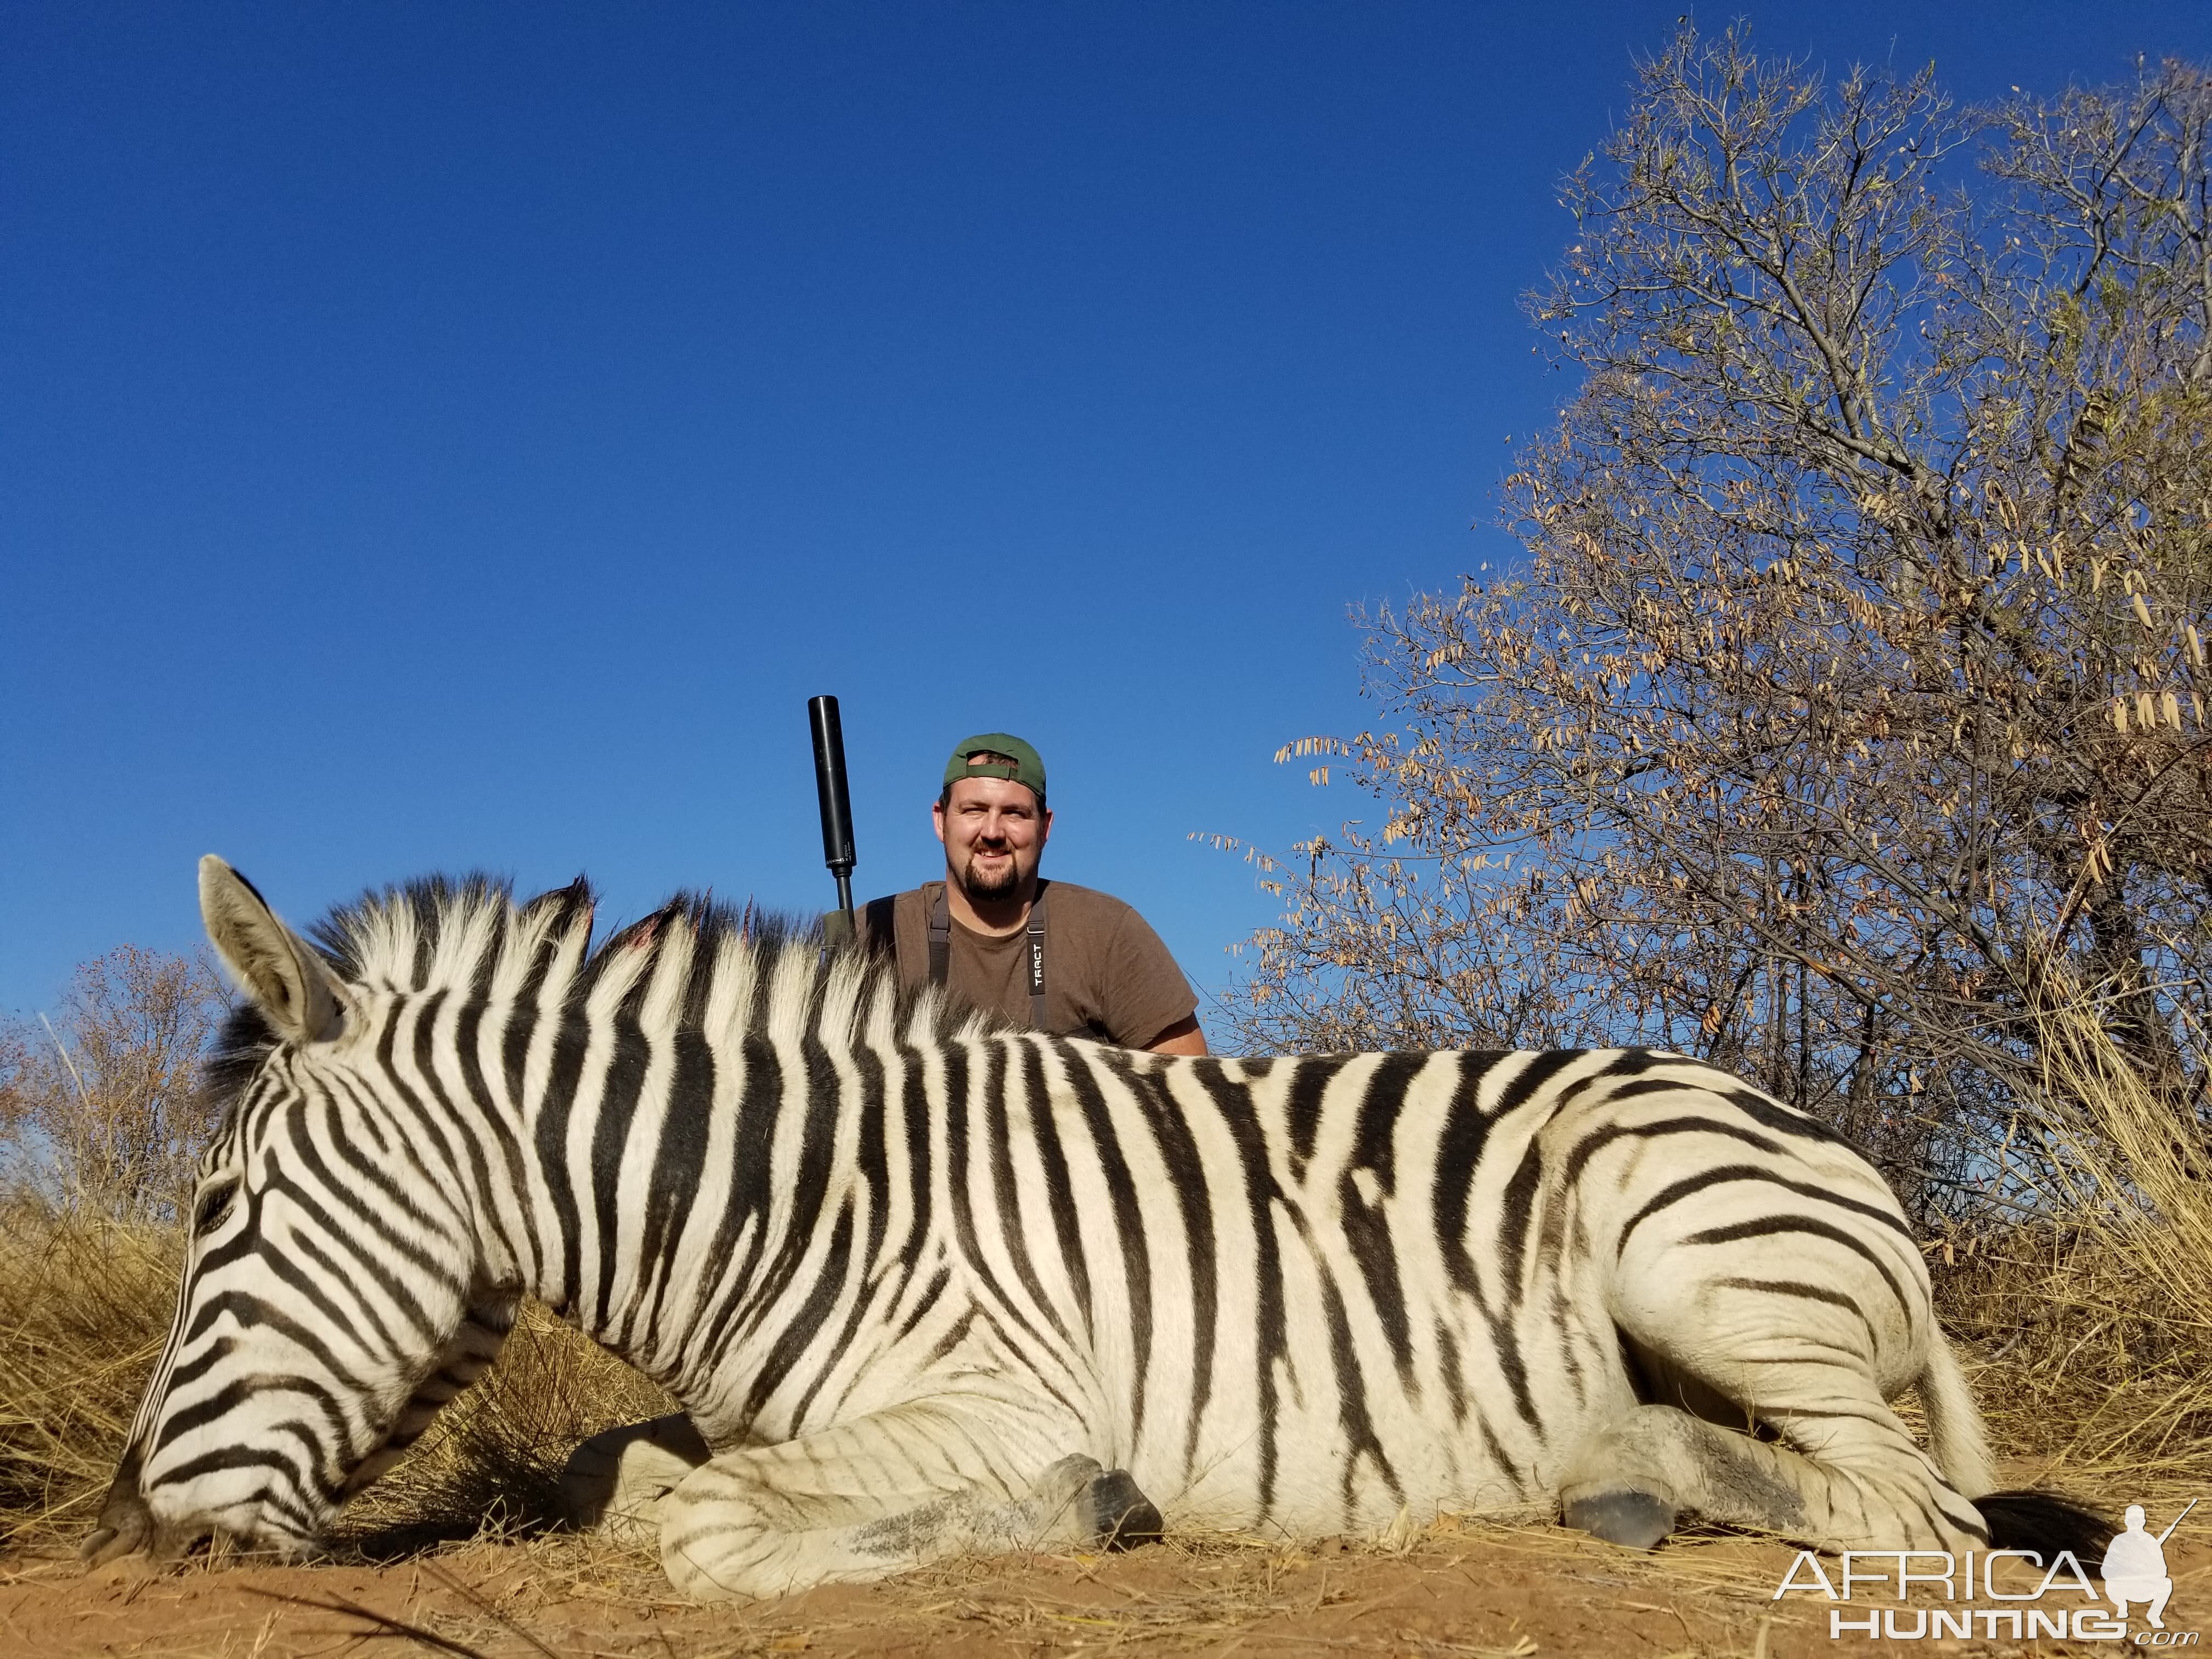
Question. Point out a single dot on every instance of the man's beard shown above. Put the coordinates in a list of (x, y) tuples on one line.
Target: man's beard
[(988, 890)]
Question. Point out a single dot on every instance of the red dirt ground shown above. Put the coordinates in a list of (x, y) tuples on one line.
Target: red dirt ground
[(1461, 1588)]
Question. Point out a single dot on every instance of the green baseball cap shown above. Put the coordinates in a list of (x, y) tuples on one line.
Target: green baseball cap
[(1022, 767)]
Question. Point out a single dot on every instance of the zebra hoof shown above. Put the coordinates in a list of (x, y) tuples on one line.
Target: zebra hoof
[(1115, 1515), (1635, 1520)]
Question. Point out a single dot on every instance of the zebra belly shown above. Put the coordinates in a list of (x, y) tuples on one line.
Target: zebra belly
[(1477, 1421)]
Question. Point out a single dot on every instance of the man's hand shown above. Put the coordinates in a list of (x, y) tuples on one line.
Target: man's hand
[(1183, 1037)]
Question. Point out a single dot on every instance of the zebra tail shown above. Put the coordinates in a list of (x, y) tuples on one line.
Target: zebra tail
[(2043, 1522), (1954, 1422)]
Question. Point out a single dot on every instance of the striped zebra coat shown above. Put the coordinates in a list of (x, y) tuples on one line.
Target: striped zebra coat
[(927, 1285)]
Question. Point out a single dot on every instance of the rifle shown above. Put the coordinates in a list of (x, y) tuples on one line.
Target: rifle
[(837, 927), (2177, 1520)]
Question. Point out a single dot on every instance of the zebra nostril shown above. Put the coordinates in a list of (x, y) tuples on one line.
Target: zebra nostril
[(125, 1524)]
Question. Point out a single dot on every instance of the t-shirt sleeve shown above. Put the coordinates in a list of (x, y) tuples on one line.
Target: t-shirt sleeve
[(1144, 991)]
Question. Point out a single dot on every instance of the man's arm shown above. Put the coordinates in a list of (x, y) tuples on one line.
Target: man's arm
[(1140, 989), (1183, 1037)]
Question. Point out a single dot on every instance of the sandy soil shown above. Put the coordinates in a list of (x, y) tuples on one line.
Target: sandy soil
[(1462, 1588)]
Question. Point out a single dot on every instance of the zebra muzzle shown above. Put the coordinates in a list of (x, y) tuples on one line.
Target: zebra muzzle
[(126, 1527), (125, 1524)]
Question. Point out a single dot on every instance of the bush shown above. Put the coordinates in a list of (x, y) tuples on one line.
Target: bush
[(1846, 723), (101, 1110)]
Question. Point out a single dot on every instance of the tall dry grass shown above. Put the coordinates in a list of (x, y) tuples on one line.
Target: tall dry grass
[(84, 1308), (2092, 1318)]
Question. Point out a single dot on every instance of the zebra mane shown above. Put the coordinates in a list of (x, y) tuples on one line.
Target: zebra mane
[(766, 972)]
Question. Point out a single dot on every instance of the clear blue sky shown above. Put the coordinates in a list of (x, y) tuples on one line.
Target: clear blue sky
[(438, 436)]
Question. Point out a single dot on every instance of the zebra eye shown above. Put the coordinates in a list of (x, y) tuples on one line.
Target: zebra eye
[(214, 1205)]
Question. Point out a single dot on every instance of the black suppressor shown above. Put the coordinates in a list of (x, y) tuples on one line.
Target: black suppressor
[(836, 812)]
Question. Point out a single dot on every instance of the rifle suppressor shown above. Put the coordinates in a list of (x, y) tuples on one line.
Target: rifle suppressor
[(836, 813)]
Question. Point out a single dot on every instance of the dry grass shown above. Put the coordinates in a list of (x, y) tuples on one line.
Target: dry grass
[(492, 1462), (86, 1309), (2092, 1323), (2077, 1359)]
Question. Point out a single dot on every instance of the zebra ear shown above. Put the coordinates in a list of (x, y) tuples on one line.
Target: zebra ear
[(287, 981)]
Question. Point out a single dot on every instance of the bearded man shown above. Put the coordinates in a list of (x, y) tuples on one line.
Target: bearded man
[(1045, 954)]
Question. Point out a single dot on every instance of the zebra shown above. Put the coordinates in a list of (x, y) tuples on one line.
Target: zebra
[(924, 1284)]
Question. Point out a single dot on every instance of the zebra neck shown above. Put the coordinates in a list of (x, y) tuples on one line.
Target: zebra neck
[(681, 1185)]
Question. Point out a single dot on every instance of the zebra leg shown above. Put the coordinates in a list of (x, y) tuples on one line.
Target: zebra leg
[(614, 1482), (1632, 1482), (888, 1491), (1844, 1473), (1869, 1487)]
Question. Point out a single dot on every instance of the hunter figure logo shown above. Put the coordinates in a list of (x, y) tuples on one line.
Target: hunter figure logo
[(2135, 1567), (2064, 1602)]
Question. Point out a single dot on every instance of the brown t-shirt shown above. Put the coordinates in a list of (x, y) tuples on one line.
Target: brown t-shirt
[(1106, 973)]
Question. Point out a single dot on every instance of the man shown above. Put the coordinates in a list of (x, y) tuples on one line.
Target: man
[(1047, 954), (2135, 1567)]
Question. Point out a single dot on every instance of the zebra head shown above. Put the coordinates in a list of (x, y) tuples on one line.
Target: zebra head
[(325, 1310)]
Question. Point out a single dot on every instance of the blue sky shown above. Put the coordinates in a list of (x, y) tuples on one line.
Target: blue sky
[(436, 437)]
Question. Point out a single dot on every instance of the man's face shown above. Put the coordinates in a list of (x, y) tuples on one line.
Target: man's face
[(993, 836)]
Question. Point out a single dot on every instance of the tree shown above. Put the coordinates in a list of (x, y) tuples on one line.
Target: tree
[(103, 1106), (1848, 715)]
